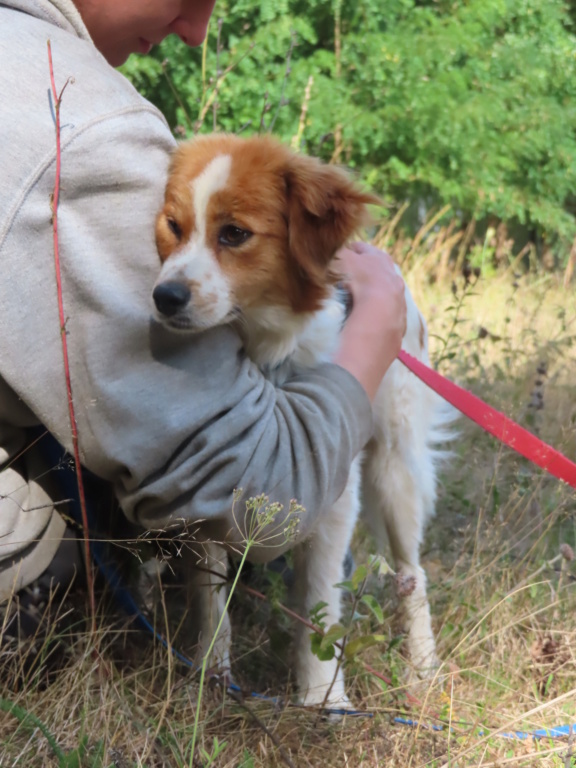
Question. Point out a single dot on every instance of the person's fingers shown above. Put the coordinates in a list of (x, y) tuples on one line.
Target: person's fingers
[(363, 264)]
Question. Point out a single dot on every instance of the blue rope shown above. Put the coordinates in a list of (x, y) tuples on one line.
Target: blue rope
[(557, 732), (109, 569)]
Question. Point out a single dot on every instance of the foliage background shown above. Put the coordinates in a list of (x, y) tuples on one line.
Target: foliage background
[(470, 103)]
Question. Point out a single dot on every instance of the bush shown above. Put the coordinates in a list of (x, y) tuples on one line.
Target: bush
[(470, 103)]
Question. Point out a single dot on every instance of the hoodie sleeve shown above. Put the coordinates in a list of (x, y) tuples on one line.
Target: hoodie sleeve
[(177, 423)]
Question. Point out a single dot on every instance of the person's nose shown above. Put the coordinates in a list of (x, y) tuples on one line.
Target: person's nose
[(192, 23)]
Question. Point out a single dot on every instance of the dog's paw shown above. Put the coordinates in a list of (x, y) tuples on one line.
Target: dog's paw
[(332, 709), (328, 698), (222, 678)]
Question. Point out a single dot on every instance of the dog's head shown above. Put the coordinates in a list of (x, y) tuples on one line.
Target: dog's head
[(247, 224)]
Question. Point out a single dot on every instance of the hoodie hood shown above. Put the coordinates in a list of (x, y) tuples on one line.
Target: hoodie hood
[(60, 13)]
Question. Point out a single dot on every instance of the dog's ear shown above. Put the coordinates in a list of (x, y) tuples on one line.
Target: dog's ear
[(325, 208)]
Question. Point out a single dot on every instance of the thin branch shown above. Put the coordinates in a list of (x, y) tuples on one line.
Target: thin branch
[(57, 98), (213, 95), (265, 108), (341, 646), (175, 93), (282, 752), (338, 143), (288, 70), (297, 138), (218, 52), (23, 451)]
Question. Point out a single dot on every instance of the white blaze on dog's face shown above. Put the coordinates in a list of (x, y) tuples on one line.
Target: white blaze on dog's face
[(192, 275), (247, 225)]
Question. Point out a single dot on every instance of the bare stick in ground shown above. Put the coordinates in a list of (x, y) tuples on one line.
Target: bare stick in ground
[(57, 98)]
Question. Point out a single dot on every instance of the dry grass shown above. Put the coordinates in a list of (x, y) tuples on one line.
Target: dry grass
[(504, 603)]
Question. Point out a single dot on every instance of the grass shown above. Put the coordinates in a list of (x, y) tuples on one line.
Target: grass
[(504, 602)]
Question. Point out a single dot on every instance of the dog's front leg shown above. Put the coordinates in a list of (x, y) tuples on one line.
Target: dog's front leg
[(206, 583), (319, 566)]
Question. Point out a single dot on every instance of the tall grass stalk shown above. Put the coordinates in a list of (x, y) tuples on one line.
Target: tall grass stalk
[(208, 653)]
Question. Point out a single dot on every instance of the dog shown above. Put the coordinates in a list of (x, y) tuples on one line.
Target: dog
[(247, 235)]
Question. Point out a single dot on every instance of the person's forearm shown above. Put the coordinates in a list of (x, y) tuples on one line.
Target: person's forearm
[(367, 351)]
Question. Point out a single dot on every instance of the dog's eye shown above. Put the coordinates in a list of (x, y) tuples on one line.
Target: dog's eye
[(174, 227), (233, 236)]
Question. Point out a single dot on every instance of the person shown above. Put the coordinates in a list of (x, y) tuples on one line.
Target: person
[(174, 423)]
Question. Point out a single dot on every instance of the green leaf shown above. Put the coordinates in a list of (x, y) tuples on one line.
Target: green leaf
[(333, 634), (359, 575), (379, 565), (359, 644), (324, 653), (373, 604), (318, 614)]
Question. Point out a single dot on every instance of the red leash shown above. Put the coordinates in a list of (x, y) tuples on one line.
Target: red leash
[(494, 422)]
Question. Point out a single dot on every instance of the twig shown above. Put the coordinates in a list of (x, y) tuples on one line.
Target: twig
[(287, 72), (204, 56), (570, 749), (218, 51), (22, 452), (219, 80), (344, 640), (57, 98), (282, 752), (296, 139), (381, 238), (570, 266), (265, 109), (545, 566), (175, 93), (338, 143), (447, 346), (515, 262), (464, 245), (421, 234), (517, 759)]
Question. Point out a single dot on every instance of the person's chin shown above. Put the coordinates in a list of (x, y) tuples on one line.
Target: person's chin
[(144, 46), (120, 54)]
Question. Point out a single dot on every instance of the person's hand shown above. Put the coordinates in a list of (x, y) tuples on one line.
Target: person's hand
[(372, 336)]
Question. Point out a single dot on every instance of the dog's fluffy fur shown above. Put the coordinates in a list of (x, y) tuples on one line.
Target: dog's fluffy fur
[(247, 234)]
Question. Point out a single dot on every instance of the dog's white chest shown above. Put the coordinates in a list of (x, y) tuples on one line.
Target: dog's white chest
[(296, 344)]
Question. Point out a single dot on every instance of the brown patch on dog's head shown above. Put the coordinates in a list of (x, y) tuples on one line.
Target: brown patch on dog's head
[(325, 209), (176, 221), (297, 212)]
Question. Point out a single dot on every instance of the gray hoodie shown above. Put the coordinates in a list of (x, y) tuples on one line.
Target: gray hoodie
[(176, 424)]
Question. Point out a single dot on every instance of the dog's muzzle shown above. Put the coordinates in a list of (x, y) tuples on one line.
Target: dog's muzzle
[(171, 297)]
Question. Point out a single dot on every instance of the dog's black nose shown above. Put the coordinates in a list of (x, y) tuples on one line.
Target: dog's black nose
[(171, 297)]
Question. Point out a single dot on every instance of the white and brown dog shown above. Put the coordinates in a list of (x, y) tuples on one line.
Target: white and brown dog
[(247, 235)]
